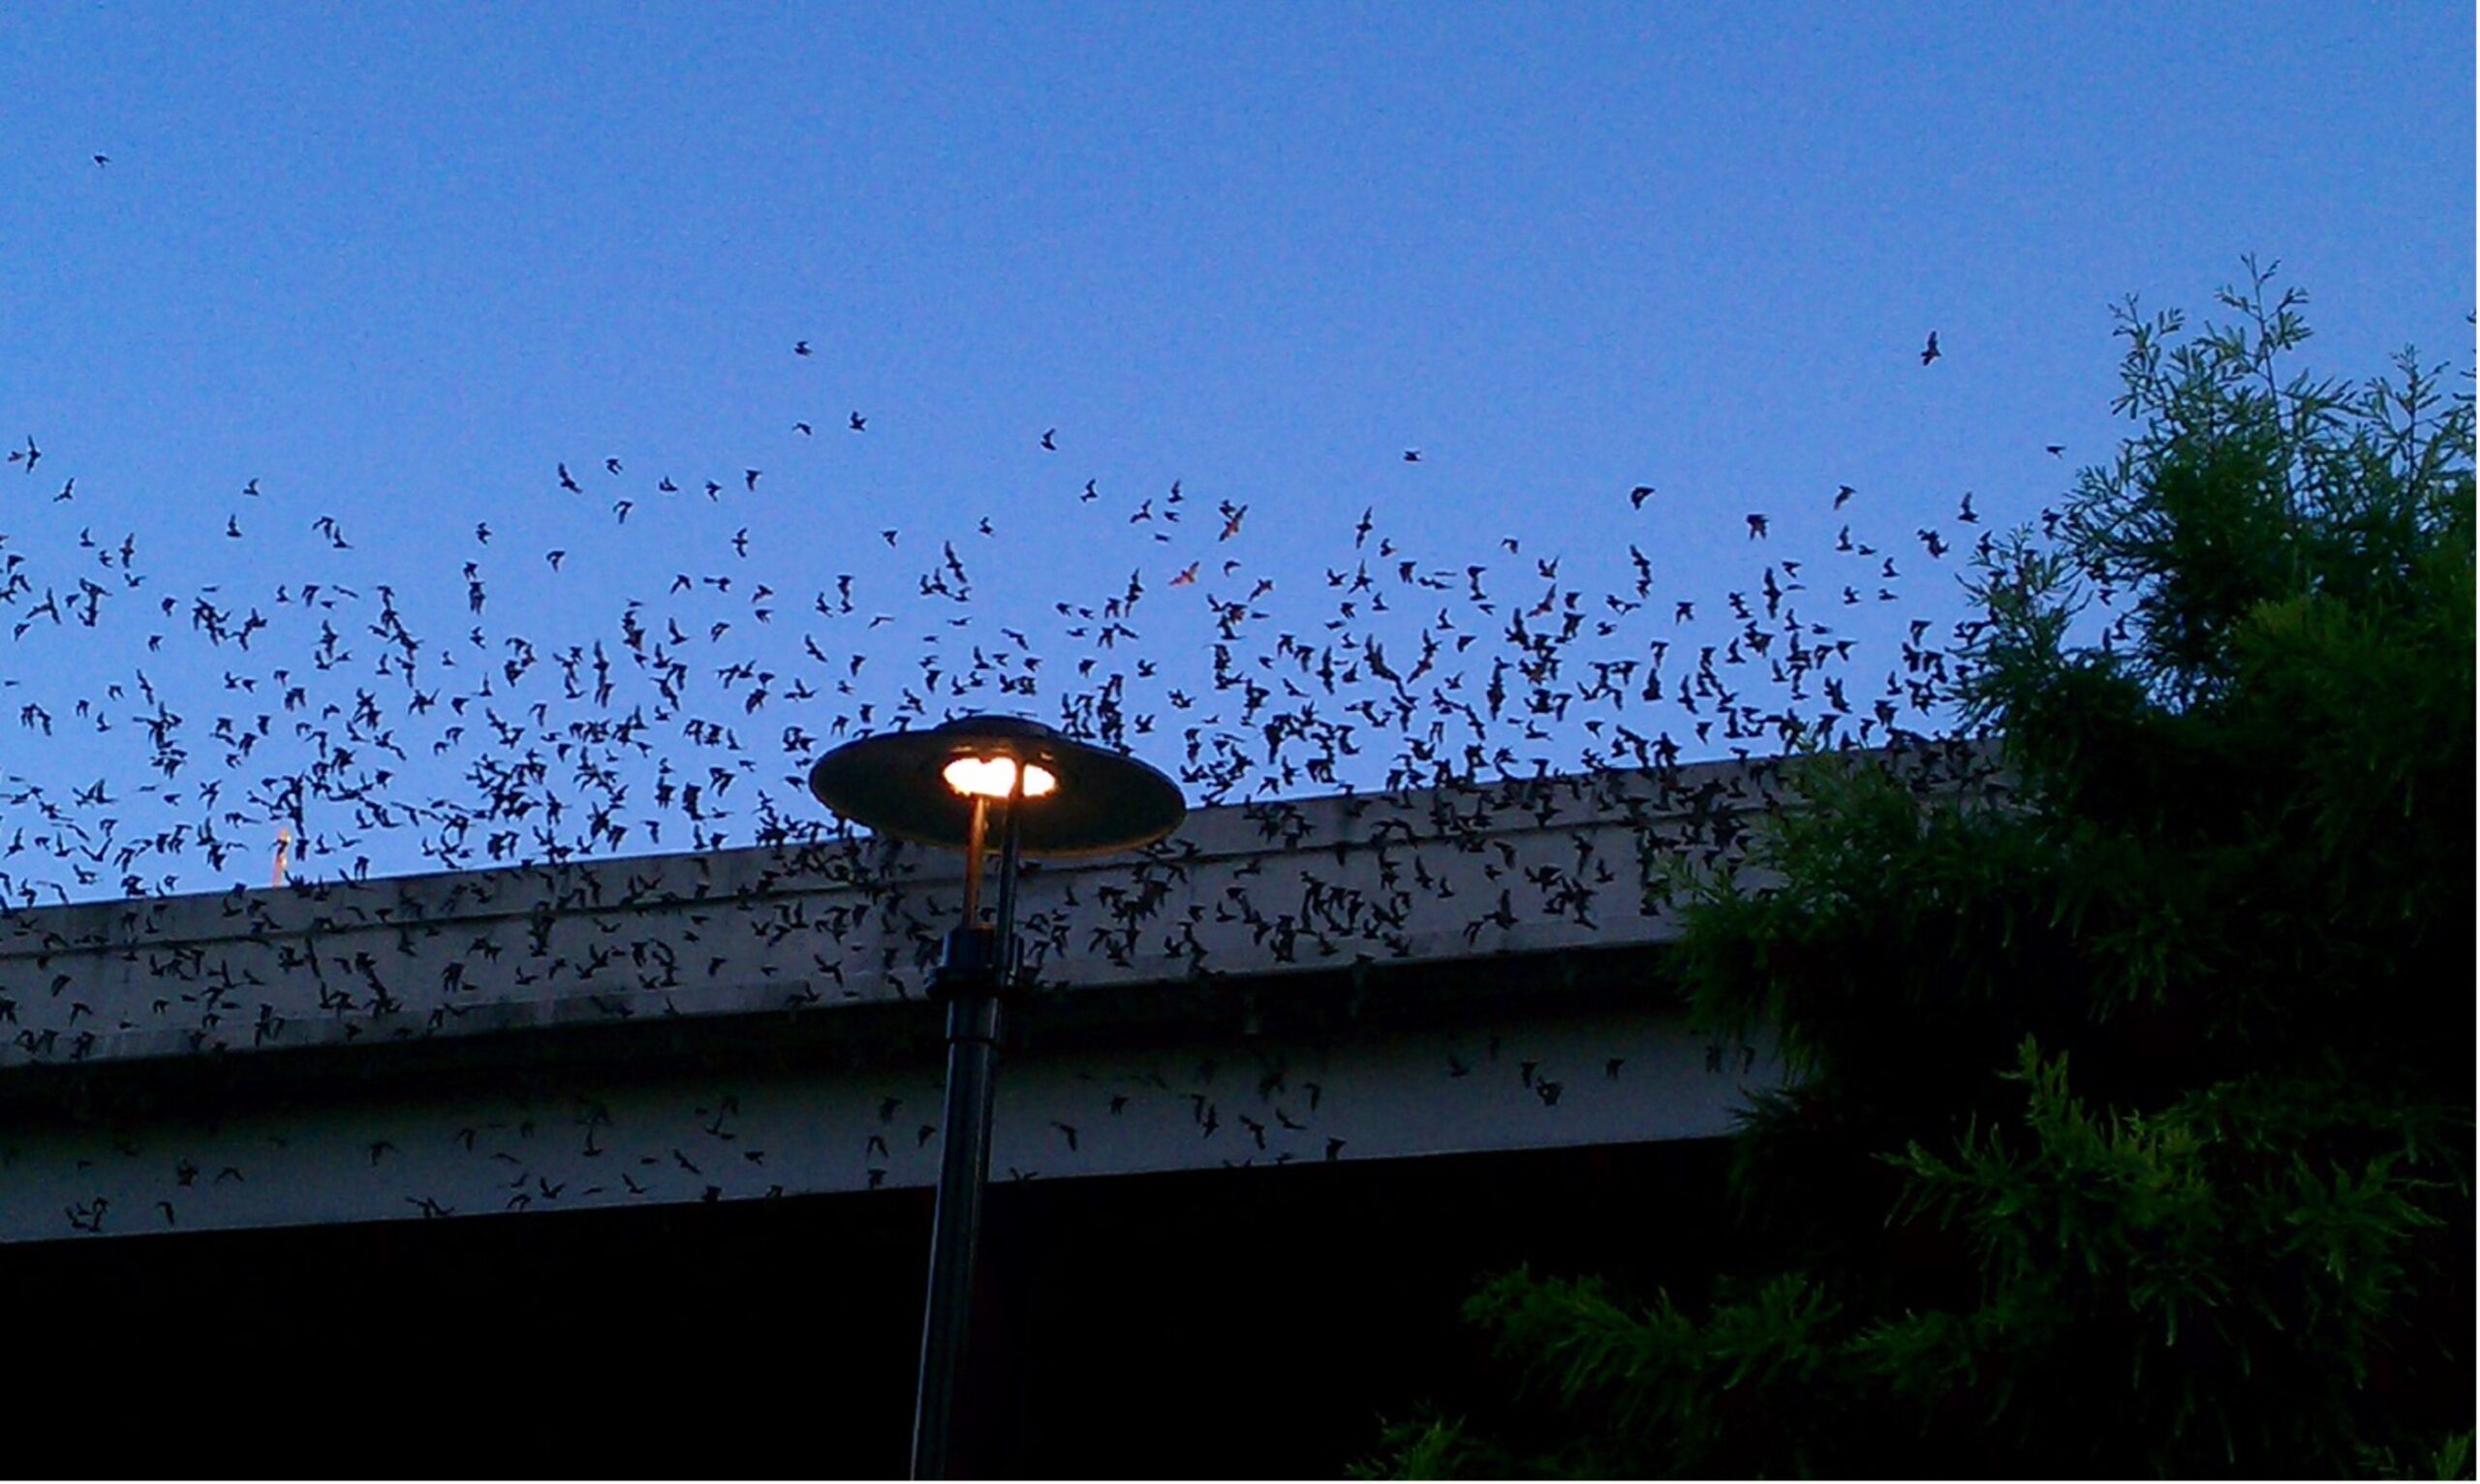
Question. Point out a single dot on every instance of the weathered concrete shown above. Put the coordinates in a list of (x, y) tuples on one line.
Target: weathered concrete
[(749, 1023)]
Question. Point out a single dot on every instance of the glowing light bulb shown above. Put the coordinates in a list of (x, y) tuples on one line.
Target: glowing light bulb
[(992, 777)]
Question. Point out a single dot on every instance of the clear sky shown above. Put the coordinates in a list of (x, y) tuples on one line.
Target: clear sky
[(396, 265)]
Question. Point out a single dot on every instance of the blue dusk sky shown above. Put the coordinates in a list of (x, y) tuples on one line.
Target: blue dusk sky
[(305, 301)]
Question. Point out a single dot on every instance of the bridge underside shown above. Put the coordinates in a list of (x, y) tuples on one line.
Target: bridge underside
[(1199, 1323)]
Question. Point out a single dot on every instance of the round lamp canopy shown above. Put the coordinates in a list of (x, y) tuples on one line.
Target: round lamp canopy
[(1078, 799)]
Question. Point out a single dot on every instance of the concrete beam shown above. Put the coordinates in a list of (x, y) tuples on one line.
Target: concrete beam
[(749, 1023), (1250, 890)]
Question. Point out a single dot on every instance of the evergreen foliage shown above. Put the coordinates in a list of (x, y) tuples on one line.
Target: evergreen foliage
[(2129, 1129)]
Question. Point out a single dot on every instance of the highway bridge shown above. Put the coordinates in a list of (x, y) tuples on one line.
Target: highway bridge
[(1405, 1006)]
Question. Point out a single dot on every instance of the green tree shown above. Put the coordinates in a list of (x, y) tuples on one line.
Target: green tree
[(2130, 1124)]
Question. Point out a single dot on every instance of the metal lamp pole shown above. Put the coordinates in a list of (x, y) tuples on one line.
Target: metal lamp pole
[(1061, 799), (973, 978)]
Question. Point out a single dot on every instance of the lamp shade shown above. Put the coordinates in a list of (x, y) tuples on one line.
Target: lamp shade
[(1100, 800)]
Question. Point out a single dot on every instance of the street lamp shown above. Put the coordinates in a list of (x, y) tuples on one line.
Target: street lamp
[(1051, 797)]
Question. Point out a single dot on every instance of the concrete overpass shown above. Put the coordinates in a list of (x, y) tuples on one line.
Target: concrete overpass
[(624, 1168), (1351, 978)]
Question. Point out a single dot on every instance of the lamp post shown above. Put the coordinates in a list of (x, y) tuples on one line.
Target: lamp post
[(1050, 797)]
